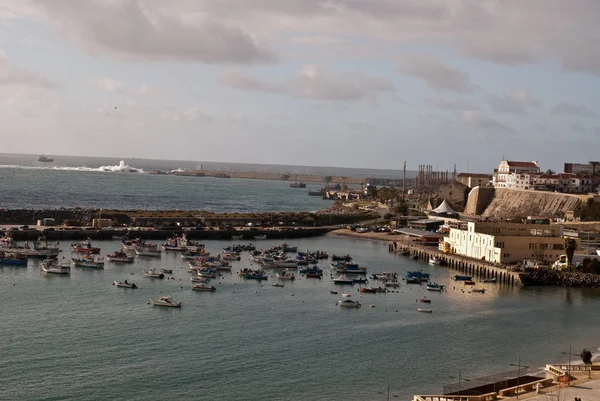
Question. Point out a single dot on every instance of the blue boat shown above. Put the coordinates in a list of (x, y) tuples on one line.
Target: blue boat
[(311, 270), (419, 274), (462, 278), (12, 260)]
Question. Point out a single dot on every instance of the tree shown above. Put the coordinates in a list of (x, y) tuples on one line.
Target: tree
[(371, 191), (586, 358), (550, 171), (328, 179), (570, 246)]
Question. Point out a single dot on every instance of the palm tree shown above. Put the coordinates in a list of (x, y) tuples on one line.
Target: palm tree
[(586, 358), (570, 246)]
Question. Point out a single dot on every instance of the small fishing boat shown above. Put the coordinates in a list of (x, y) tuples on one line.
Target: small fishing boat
[(424, 310), (360, 280), (434, 287), (202, 287), (343, 280), (85, 247), (15, 259), (346, 295), (148, 252), (285, 275), (333, 292), (88, 261), (260, 237), (413, 280), (370, 290), (435, 261), (489, 280), (167, 271), (314, 274), (458, 277), (344, 258), (198, 279), (478, 290), (350, 268), (425, 301), (392, 283), (152, 273), (166, 301), (52, 266), (278, 285), (348, 303), (469, 283), (124, 284), (120, 257), (207, 273)]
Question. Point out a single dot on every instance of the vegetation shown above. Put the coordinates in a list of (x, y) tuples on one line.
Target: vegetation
[(586, 358), (550, 171), (570, 246)]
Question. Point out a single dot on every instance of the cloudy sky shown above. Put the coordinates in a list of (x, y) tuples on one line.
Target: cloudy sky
[(361, 83)]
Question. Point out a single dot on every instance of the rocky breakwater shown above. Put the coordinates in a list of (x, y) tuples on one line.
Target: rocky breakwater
[(256, 175), (31, 216), (565, 279)]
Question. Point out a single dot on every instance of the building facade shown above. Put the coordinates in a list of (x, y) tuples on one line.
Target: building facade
[(579, 168), (566, 183), (473, 180), (506, 242), (506, 168)]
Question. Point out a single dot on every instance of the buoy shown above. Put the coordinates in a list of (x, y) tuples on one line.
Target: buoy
[(292, 294), (372, 306)]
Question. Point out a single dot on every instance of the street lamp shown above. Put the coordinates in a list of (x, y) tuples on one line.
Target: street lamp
[(460, 378), (519, 366), (569, 366), (388, 393)]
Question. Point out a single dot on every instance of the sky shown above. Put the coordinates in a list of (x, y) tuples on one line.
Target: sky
[(348, 83)]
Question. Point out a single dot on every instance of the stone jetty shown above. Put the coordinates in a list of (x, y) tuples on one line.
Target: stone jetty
[(565, 279)]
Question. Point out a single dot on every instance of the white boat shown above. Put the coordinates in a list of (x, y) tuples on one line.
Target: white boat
[(348, 303), (392, 283), (120, 257), (124, 284), (345, 295), (237, 237), (153, 253), (286, 264), (165, 301), (489, 280), (152, 273), (88, 261), (278, 285), (198, 279), (285, 276), (52, 266), (260, 237), (435, 261), (202, 287), (424, 310)]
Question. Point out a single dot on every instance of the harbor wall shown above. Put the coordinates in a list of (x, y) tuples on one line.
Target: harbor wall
[(505, 203)]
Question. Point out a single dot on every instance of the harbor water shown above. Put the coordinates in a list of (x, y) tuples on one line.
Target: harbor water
[(80, 338)]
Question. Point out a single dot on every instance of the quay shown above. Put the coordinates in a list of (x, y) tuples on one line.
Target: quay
[(462, 264)]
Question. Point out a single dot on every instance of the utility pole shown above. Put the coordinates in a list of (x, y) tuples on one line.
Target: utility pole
[(519, 366), (569, 367), (404, 181)]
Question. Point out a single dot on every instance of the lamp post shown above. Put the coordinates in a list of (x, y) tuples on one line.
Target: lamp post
[(519, 366), (569, 366), (460, 378), (388, 393)]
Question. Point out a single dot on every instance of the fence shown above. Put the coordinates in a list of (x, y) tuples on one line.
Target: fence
[(491, 383)]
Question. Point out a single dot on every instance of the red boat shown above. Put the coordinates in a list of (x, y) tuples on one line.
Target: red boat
[(314, 275), (469, 283), (85, 247), (368, 289), (425, 301)]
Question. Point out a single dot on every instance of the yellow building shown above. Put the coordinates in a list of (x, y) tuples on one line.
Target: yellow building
[(506, 242)]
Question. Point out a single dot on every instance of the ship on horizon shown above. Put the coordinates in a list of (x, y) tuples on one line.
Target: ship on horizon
[(45, 159)]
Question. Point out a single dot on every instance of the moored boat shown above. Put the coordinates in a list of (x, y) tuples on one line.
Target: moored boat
[(198, 279), (88, 261), (53, 266), (285, 275), (85, 247), (469, 282), (152, 252), (152, 273), (167, 271), (14, 259), (435, 260), (167, 301), (489, 280), (424, 310), (237, 237), (120, 257), (371, 290), (125, 284), (479, 290), (434, 287), (344, 258), (343, 280), (425, 301), (278, 285), (260, 237), (458, 277), (348, 303), (202, 287)]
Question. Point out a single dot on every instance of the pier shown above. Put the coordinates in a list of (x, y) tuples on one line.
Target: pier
[(462, 264)]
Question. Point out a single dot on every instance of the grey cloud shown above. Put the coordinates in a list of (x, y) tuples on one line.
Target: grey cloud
[(437, 74), (109, 85), (484, 123), (570, 109), (579, 127), (135, 30), (13, 75), (450, 104), (248, 83), (505, 104), (313, 82)]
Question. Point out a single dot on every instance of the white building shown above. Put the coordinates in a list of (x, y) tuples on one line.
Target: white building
[(567, 183), (507, 168)]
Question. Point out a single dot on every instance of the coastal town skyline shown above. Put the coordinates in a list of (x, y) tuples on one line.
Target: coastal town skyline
[(364, 84)]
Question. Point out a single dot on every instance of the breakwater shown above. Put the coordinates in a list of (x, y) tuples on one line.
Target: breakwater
[(254, 175), (565, 279), (185, 218)]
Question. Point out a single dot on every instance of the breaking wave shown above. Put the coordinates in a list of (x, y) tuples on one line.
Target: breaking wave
[(119, 168)]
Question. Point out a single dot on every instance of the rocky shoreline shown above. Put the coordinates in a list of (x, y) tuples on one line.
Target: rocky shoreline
[(564, 279)]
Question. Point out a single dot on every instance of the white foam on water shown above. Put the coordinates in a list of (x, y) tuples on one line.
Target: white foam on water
[(120, 168)]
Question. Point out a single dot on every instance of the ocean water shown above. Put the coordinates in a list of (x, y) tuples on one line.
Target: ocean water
[(80, 338)]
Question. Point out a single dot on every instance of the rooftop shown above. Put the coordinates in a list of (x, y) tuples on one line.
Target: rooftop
[(413, 232), (522, 164), (474, 175)]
